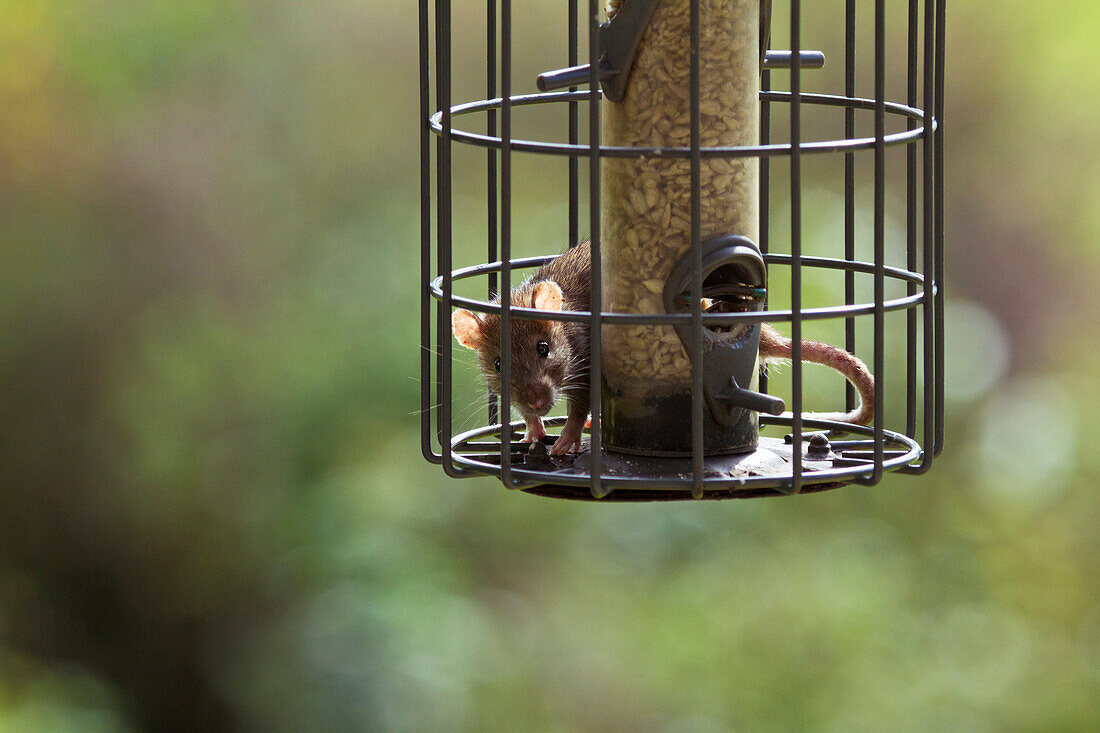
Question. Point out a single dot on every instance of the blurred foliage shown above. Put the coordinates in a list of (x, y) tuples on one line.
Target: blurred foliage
[(213, 512)]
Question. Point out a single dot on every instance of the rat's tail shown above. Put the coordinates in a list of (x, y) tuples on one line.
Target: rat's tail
[(774, 345)]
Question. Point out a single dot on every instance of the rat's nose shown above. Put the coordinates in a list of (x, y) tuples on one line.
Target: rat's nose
[(535, 400)]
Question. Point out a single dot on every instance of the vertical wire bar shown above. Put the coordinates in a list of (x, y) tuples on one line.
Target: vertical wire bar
[(439, 221), (491, 162), (880, 234), (928, 241), (850, 189), (443, 219), (765, 183), (574, 131), (796, 249), (596, 306), (696, 266), (506, 243), (911, 228), (426, 409), (940, 53)]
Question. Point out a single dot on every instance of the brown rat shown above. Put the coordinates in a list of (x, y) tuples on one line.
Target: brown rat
[(551, 358)]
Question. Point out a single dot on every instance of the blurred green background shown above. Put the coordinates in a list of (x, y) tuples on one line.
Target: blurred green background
[(213, 510)]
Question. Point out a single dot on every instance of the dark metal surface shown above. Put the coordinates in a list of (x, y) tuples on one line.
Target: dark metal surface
[(911, 223), (494, 449), (735, 276), (931, 372), (426, 342), (765, 163), (596, 486), (878, 366), (938, 54), (796, 245), (765, 21), (695, 350), (443, 344), (506, 232), (573, 33), (850, 187), (785, 60), (491, 202)]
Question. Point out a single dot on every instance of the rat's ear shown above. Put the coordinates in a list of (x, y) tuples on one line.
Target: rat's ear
[(467, 328), (548, 296)]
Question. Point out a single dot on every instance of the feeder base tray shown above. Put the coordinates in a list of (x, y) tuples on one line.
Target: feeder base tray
[(830, 459)]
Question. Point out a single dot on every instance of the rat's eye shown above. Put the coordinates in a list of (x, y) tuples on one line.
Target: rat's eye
[(544, 349), (497, 365)]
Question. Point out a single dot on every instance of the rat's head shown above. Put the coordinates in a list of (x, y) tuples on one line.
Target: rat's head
[(541, 354)]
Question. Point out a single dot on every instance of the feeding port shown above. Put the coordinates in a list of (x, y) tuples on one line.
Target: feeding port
[(685, 138)]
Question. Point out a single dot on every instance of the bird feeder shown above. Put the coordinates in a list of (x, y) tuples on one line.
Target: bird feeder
[(684, 161)]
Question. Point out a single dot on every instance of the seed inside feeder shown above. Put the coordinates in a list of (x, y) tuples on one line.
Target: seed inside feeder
[(646, 224)]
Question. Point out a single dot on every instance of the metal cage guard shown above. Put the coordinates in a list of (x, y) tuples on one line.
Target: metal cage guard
[(805, 460)]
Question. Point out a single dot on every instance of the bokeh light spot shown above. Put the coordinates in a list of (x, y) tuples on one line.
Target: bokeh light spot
[(1027, 442), (976, 349)]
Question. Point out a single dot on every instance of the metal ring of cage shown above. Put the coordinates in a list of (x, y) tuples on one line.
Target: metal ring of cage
[(839, 145), (709, 319)]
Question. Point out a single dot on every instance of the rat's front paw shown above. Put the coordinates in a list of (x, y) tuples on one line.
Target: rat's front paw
[(535, 431), (568, 442)]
